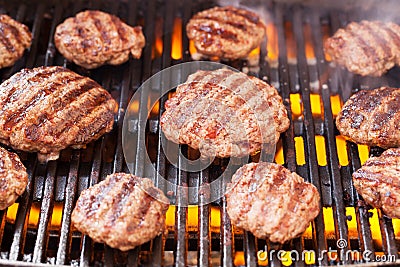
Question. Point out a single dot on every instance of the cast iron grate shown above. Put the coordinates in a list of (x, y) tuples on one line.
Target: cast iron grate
[(34, 235)]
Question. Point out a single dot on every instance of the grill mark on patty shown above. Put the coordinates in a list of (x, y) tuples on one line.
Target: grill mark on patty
[(120, 198), (15, 34), (237, 25), (368, 50), (142, 212), (92, 207), (73, 95), (38, 98), (92, 127), (4, 40), (120, 28), (249, 16), (100, 28), (212, 31), (377, 37), (381, 119), (88, 105), (395, 37)]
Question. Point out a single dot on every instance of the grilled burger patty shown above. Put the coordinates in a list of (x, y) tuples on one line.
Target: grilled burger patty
[(378, 182), (224, 113), (367, 47), (93, 38), (47, 109), (118, 212), (14, 39), (13, 178), (227, 32), (371, 117), (271, 202)]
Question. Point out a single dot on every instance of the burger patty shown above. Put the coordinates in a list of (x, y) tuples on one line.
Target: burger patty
[(13, 178), (227, 32), (366, 47), (224, 113), (371, 117), (47, 109), (14, 39), (93, 38), (271, 202), (119, 212), (378, 182)]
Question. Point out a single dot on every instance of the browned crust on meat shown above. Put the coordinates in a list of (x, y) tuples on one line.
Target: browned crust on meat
[(93, 38), (371, 117), (15, 37), (47, 109), (366, 47), (224, 113), (13, 178), (119, 212), (271, 202), (378, 182), (227, 32)]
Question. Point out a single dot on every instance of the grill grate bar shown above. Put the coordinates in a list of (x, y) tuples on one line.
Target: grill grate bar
[(308, 123), (204, 222), (250, 249), (45, 212), (35, 35), (227, 239), (388, 237), (23, 208), (70, 190), (51, 49), (362, 215), (336, 183)]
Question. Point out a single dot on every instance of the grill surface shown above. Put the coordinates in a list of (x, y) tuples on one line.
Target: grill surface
[(38, 228)]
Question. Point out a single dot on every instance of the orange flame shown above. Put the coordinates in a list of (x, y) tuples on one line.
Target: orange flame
[(176, 52), (272, 42)]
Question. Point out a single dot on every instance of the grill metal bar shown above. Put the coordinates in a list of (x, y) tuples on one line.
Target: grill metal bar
[(362, 214), (227, 240), (45, 213), (70, 190), (310, 145), (332, 153), (44, 179), (204, 216), (21, 222)]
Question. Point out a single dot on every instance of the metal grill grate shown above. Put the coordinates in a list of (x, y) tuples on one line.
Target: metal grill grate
[(38, 228)]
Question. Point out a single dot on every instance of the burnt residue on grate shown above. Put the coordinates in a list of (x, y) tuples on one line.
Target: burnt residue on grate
[(38, 228)]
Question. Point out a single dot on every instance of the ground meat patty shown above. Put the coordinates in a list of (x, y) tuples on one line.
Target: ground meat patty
[(47, 109), (14, 39), (13, 178), (118, 211), (93, 38), (371, 117), (227, 32), (378, 182), (271, 202), (367, 47), (224, 113)]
